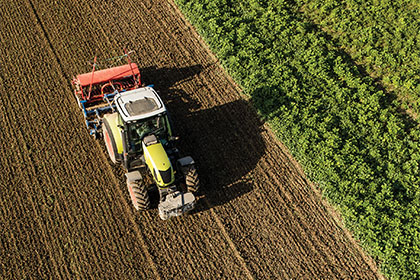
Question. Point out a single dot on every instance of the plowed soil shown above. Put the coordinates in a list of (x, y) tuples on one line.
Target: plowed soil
[(65, 212)]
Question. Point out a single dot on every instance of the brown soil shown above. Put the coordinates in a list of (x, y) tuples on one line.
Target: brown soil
[(64, 209)]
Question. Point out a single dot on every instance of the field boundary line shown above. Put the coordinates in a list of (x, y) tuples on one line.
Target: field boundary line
[(333, 216), (208, 204), (200, 40)]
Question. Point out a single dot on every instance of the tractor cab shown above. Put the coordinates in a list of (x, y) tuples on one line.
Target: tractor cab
[(143, 113), (138, 130)]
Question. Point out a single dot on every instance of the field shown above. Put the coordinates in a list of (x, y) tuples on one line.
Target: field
[(64, 208), (348, 132), (382, 36)]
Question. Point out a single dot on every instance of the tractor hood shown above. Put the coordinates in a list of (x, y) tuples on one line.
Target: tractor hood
[(157, 161)]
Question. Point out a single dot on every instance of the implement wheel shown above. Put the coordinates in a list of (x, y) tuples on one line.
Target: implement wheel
[(191, 179), (139, 196)]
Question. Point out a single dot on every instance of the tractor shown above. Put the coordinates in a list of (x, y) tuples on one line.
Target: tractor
[(137, 131)]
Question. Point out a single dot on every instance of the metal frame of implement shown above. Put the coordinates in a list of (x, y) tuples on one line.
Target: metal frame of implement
[(95, 91)]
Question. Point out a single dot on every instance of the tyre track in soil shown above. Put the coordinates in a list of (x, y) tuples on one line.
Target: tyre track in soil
[(24, 156), (206, 201), (238, 220), (220, 225)]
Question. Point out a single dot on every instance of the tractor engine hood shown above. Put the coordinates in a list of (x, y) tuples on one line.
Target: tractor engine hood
[(157, 161)]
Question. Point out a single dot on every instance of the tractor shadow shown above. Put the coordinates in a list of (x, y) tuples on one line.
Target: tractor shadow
[(224, 140), (165, 78), (226, 143)]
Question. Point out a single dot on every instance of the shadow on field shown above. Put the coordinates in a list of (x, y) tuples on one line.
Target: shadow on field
[(166, 77), (225, 140), (226, 144)]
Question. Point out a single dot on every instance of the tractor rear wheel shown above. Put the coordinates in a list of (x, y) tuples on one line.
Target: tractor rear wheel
[(139, 196), (191, 179)]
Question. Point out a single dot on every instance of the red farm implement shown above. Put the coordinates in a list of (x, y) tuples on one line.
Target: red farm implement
[(95, 91)]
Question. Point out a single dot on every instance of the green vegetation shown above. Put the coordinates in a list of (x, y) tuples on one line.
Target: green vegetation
[(382, 35), (347, 134)]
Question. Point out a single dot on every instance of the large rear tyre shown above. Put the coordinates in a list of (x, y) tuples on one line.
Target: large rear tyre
[(191, 179), (139, 196)]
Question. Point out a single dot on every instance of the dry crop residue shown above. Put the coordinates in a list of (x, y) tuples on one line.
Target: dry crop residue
[(64, 209)]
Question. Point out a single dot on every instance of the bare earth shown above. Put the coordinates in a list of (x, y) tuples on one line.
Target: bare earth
[(65, 212)]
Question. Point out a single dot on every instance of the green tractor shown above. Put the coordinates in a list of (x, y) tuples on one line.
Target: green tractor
[(138, 135)]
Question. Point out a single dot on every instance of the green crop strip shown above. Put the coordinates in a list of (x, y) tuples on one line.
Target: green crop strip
[(382, 35), (346, 133)]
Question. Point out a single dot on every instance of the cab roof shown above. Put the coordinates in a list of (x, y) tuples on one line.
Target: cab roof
[(139, 104)]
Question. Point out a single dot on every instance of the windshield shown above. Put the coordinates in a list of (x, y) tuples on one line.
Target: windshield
[(137, 131)]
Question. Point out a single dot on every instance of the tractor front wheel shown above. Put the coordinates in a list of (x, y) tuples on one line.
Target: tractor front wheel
[(111, 147), (191, 179), (139, 196)]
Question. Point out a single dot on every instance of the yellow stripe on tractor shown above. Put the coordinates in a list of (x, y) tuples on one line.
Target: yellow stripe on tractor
[(158, 163)]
